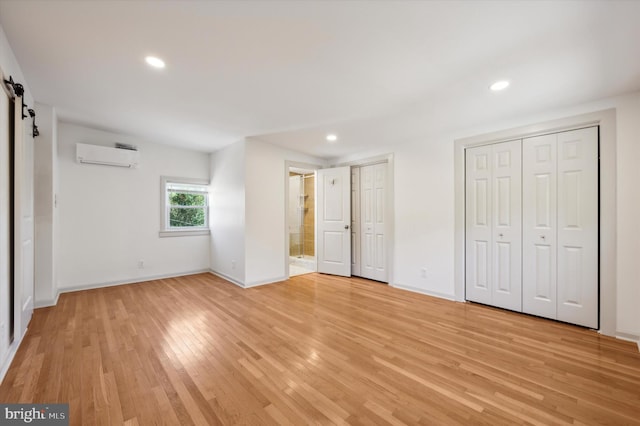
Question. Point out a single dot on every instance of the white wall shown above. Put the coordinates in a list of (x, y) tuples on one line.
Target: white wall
[(265, 240), (628, 203), (423, 206), (10, 67), (227, 212), (247, 218), (45, 182), (424, 220), (110, 217)]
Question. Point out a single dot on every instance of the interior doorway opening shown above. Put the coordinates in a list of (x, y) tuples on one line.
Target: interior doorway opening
[(301, 220)]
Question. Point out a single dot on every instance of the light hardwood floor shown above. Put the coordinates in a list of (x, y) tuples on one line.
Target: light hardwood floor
[(314, 350)]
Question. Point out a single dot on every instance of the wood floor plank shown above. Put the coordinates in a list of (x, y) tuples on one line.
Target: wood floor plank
[(314, 349)]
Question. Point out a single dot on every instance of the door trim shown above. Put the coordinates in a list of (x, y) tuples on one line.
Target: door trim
[(606, 119), (287, 165)]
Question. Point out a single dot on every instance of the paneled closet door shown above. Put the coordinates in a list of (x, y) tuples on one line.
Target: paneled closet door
[(539, 250), (507, 225), (560, 219), (373, 222), (355, 221), (578, 227), (493, 225), (479, 224)]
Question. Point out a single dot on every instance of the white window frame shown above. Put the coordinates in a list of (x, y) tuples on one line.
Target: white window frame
[(165, 229)]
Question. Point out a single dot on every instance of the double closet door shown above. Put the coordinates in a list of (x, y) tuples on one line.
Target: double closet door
[(532, 226)]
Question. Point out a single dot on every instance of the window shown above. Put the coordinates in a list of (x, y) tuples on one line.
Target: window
[(185, 207)]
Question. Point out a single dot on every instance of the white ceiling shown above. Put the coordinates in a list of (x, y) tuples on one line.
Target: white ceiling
[(375, 72)]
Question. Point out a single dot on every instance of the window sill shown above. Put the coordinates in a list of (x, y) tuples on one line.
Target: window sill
[(184, 233)]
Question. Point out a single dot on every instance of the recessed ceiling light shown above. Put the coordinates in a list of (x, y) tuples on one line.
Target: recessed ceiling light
[(331, 137), (155, 62), (499, 85)]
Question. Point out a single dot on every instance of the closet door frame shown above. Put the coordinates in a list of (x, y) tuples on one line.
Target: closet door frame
[(606, 120)]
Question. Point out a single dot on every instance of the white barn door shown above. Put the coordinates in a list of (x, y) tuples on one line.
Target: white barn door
[(24, 225), (334, 219), (5, 249), (27, 227)]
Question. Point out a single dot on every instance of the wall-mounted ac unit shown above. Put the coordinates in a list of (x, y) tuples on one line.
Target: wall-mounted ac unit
[(106, 156)]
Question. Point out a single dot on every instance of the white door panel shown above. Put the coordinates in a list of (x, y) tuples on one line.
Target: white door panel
[(578, 227), (373, 225), (355, 221), (539, 226), (380, 191), (27, 230), (366, 222), (478, 224), (334, 219), (507, 226), (493, 225), (4, 227)]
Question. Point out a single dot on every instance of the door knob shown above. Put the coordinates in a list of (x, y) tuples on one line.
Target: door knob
[(543, 237), (500, 235), (346, 227)]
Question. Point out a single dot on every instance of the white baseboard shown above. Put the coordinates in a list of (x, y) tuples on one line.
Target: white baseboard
[(628, 337), (227, 278), (425, 292), (250, 284), (12, 353), (47, 302), (136, 280), (265, 282)]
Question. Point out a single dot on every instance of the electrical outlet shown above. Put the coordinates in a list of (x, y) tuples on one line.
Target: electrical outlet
[(423, 273), (233, 264), (140, 264)]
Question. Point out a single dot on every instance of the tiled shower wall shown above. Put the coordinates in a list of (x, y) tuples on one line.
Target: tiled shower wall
[(309, 219)]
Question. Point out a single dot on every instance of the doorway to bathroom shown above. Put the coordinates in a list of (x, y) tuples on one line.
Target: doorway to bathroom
[(302, 221)]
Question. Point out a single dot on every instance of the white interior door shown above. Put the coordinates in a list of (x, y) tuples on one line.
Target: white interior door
[(373, 222), (539, 241), (479, 225), (334, 220), (507, 225), (355, 221), (27, 226), (23, 226), (494, 225), (5, 300), (578, 227)]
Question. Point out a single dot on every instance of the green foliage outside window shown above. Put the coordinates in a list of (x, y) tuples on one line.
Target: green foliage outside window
[(186, 210)]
